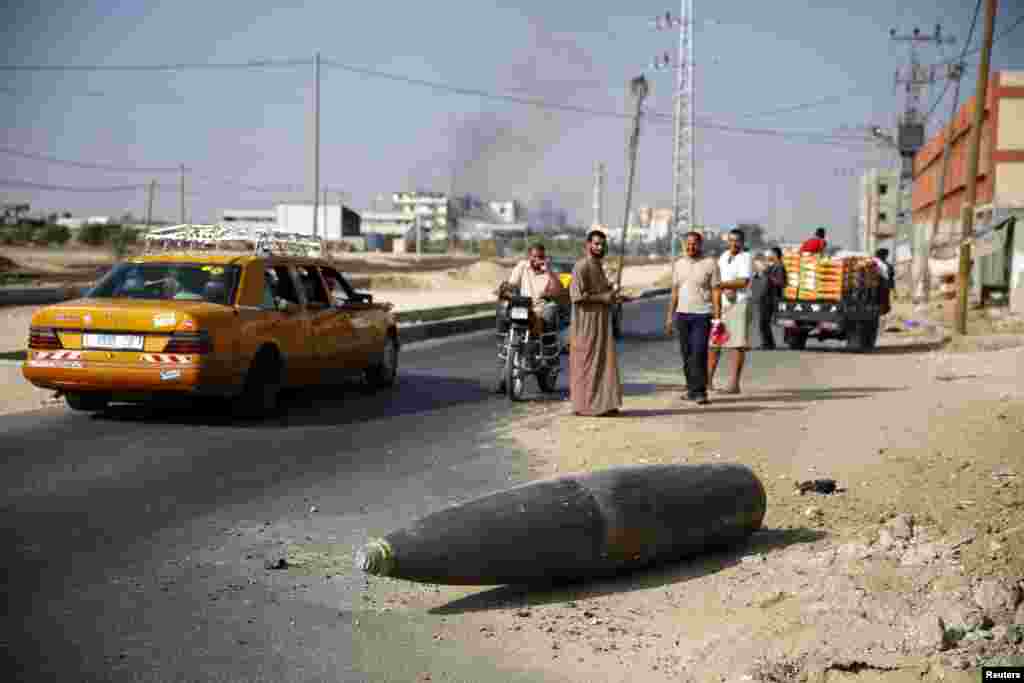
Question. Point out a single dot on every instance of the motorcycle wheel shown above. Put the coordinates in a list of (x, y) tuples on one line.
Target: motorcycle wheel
[(515, 380)]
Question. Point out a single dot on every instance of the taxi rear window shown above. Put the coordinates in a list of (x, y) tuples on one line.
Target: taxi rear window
[(214, 284)]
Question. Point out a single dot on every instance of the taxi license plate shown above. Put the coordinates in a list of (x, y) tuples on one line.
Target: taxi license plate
[(131, 342)]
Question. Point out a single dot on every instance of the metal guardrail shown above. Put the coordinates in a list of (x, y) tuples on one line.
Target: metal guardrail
[(463, 320)]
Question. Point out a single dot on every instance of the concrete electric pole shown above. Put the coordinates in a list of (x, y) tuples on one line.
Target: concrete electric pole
[(316, 140), (181, 190), (910, 135), (599, 185), (683, 171), (967, 210), (923, 289), (149, 203)]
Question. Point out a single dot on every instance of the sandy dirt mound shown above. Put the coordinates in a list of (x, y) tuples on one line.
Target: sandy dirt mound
[(482, 272), (7, 264)]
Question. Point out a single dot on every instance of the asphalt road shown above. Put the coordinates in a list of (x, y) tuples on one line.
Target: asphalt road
[(136, 539)]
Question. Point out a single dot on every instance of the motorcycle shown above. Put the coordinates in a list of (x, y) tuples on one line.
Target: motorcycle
[(523, 352)]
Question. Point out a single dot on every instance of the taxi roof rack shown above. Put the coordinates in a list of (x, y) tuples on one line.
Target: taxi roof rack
[(218, 237)]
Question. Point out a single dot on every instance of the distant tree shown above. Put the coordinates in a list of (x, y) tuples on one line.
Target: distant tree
[(53, 234), (93, 234)]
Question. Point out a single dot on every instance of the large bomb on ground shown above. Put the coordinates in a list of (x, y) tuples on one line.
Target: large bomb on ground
[(576, 527)]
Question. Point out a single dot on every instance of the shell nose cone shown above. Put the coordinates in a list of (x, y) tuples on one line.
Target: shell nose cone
[(376, 558)]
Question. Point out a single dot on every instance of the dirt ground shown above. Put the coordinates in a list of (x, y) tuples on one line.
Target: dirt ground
[(913, 570)]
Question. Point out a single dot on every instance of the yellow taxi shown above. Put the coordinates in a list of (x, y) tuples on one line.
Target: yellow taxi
[(238, 326)]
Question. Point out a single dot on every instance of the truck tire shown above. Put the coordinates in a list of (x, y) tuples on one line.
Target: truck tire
[(795, 339), (88, 402), (862, 336)]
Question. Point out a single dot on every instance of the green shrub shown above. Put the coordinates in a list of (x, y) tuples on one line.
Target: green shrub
[(122, 240), (53, 234), (93, 235)]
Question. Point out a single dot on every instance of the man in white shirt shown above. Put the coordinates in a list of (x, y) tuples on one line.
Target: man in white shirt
[(737, 268)]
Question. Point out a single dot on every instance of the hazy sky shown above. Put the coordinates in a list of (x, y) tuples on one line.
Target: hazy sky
[(254, 126)]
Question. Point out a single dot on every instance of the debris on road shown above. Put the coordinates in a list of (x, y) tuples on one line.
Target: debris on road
[(822, 486)]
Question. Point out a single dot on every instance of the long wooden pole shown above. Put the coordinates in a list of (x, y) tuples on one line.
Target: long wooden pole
[(638, 86), (973, 152)]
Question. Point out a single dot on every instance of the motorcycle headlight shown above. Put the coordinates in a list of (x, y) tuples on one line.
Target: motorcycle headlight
[(519, 313)]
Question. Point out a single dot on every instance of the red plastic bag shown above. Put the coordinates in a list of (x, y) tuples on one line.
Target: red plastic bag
[(719, 335)]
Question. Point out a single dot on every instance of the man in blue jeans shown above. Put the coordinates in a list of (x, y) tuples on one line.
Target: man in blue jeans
[(696, 304)]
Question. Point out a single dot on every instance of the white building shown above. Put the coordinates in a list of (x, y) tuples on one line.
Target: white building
[(507, 210), (389, 223), (435, 210), (333, 222), (259, 219)]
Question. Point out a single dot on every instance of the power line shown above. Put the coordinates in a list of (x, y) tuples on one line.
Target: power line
[(270, 63), (1010, 29), (141, 169), (181, 66), (545, 104), (17, 93), (84, 164), (26, 184), (963, 53)]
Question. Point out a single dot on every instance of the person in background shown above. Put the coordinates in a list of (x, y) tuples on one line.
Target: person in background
[(774, 281), (595, 387), (888, 272), (888, 279), (816, 244), (696, 302), (737, 269)]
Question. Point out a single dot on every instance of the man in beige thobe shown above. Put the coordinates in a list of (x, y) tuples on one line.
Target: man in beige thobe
[(595, 387)]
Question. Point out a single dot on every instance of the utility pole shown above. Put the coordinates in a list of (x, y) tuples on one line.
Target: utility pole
[(638, 89), (599, 186), (316, 140), (967, 210), (683, 168), (419, 235), (182, 193), (911, 129), (149, 203), (924, 285)]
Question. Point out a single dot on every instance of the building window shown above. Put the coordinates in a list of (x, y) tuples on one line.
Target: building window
[(883, 188)]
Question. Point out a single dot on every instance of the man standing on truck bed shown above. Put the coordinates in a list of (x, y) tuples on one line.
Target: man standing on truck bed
[(816, 244)]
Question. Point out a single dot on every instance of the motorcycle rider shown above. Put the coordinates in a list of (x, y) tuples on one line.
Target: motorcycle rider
[(534, 278)]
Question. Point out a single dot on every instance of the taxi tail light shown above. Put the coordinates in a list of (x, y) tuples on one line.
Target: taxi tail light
[(43, 338), (189, 343)]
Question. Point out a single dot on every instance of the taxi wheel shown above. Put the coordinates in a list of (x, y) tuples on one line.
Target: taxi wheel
[(262, 387), (383, 373), (87, 402)]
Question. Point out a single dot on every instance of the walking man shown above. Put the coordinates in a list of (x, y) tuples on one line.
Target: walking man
[(595, 387), (736, 267), (774, 282), (696, 302)]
